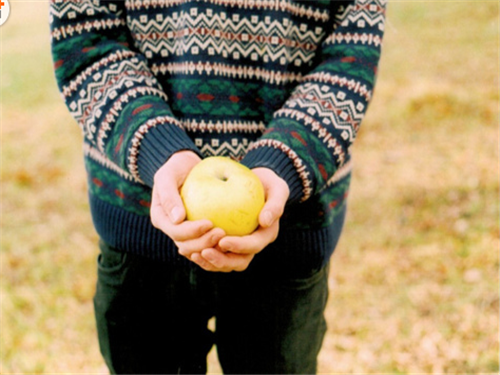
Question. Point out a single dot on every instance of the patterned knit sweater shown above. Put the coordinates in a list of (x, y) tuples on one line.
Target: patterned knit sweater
[(282, 84)]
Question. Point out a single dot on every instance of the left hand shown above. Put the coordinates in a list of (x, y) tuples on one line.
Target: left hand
[(167, 209), (235, 253)]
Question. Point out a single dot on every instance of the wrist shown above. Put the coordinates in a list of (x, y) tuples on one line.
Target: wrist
[(280, 164), (158, 145), (180, 162), (270, 177)]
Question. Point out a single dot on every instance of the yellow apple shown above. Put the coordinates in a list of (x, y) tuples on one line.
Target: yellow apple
[(225, 192)]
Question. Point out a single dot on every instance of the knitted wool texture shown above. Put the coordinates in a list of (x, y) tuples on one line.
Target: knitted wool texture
[(272, 83)]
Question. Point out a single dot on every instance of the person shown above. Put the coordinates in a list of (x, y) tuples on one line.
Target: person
[(156, 86)]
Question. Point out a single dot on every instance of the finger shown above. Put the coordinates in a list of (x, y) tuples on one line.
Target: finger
[(251, 244), (184, 231), (168, 180), (171, 202), (207, 240), (200, 261), (159, 218), (227, 262), (187, 230)]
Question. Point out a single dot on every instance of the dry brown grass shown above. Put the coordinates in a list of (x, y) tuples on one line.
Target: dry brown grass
[(414, 282)]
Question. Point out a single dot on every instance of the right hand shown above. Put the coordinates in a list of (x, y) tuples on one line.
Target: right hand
[(168, 213)]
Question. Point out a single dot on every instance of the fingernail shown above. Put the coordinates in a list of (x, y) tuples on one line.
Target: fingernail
[(267, 218), (215, 238), (176, 214)]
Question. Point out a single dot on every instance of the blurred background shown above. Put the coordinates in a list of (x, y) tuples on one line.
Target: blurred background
[(414, 280)]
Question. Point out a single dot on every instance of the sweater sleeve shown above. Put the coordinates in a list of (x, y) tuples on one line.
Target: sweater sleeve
[(309, 139), (119, 105)]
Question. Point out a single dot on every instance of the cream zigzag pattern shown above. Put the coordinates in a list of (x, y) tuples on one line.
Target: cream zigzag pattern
[(369, 12), (269, 5), (225, 148), (192, 32), (112, 58), (87, 111), (331, 107), (352, 85), (106, 78), (128, 75), (70, 8), (102, 90), (361, 14)]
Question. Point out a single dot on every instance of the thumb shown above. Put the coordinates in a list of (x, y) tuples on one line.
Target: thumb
[(177, 213), (167, 196), (166, 193), (276, 192), (168, 180), (273, 209)]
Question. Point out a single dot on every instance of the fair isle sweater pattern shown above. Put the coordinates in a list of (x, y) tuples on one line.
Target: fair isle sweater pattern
[(282, 84)]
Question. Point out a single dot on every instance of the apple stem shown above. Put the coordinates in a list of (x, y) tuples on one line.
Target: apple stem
[(223, 177)]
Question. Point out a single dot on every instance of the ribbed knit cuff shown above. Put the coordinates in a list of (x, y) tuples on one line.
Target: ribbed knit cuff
[(157, 146), (281, 164)]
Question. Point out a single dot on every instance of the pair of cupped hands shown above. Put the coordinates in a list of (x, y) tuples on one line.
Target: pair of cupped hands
[(199, 240)]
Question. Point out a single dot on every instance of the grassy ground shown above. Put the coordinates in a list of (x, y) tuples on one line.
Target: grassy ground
[(414, 282)]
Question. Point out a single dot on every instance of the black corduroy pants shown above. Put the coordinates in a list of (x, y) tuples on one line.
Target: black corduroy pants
[(152, 318)]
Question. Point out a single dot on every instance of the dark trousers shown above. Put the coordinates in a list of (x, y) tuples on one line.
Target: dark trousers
[(152, 318)]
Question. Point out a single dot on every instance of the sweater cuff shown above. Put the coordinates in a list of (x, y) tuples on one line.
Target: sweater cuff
[(278, 161), (157, 146)]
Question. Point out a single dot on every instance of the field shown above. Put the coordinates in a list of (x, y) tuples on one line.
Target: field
[(414, 281)]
